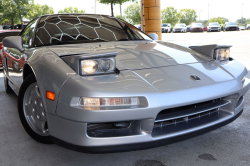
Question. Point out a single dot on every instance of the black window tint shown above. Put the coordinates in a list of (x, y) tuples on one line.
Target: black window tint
[(27, 33), (64, 29), (6, 34)]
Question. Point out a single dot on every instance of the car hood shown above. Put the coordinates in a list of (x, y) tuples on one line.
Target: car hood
[(136, 54), (196, 27), (232, 26), (179, 27)]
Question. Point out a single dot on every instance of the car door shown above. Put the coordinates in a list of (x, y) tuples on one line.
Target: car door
[(16, 59)]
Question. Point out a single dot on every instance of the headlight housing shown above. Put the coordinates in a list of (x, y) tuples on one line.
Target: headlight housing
[(97, 66), (222, 54)]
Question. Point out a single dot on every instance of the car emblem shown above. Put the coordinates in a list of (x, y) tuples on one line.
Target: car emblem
[(195, 77)]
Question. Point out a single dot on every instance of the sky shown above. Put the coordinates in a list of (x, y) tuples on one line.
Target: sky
[(231, 9)]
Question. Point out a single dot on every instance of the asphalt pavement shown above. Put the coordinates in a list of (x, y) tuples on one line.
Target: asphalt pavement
[(229, 145)]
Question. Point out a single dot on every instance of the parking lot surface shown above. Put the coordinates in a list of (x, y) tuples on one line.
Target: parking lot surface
[(229, 145)]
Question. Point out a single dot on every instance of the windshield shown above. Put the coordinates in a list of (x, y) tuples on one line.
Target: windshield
[(81, 28), (164, 25), (231, 23), (214, 24), (179, 25), (196, 24)]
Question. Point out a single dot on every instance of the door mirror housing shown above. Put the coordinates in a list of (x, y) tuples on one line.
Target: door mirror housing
[(14, 42), (153, 36)]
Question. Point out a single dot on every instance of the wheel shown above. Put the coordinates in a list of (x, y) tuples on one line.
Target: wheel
[(31, 111), (6, 84)]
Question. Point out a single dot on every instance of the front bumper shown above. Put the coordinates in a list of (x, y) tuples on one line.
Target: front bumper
[(232, 28), (196, 30), (178, 30), (214, 29), (140, 146), (73, 134)]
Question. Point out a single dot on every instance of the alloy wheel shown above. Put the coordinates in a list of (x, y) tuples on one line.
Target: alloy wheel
[(34, 111)]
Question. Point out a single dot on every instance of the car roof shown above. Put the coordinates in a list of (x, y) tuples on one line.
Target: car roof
[(74, 14)]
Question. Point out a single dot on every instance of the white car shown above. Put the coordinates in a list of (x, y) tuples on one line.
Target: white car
[(180, 28), (166, 28), (242, 28), (213, 26)]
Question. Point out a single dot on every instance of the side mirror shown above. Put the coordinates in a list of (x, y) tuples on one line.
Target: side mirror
[(154, 36), (14, 42)]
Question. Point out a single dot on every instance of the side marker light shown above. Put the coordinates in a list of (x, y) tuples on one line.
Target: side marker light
[(50, 95)]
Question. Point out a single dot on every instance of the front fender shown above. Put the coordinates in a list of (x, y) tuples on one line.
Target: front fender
[(51, 72)]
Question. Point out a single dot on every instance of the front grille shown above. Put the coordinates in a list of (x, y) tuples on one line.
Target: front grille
[(197, 29), (185, 108), (178, 29), (188, 117), (184, 119), (232, 28)]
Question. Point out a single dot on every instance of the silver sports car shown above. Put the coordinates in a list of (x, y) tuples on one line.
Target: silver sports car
[(95, 83)]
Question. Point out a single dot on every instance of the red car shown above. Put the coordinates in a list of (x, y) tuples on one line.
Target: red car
[(196, 27), (205, 28), (6, 33)]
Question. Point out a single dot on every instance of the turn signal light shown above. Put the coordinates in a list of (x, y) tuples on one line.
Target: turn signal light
[(50, 95)]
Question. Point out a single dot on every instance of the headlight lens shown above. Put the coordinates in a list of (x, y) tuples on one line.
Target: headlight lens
[(89, 66), (97, 66), (119, 101), (222, 54)]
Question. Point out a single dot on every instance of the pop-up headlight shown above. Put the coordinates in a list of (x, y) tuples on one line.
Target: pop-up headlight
[(222, 54), (97, 66)]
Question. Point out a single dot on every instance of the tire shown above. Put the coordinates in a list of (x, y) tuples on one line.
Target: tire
[(30, 106), (6, 84)]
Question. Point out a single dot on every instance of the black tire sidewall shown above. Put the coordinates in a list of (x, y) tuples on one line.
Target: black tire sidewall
[(42, 139)]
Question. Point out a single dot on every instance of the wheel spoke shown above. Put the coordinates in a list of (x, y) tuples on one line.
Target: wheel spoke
[(28, 109), (39, 125)]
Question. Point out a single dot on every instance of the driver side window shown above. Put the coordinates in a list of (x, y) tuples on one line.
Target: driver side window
[(28, 33)]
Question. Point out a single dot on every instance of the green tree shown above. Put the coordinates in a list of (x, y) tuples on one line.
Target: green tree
[(169, 15), (14, 9), (133, 14), (37, 10), (224, 19), (71, 10), (244, 21), (187, 16), (118, 16), (112, 3), (220, 20), (22, 7), (204, 22)]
